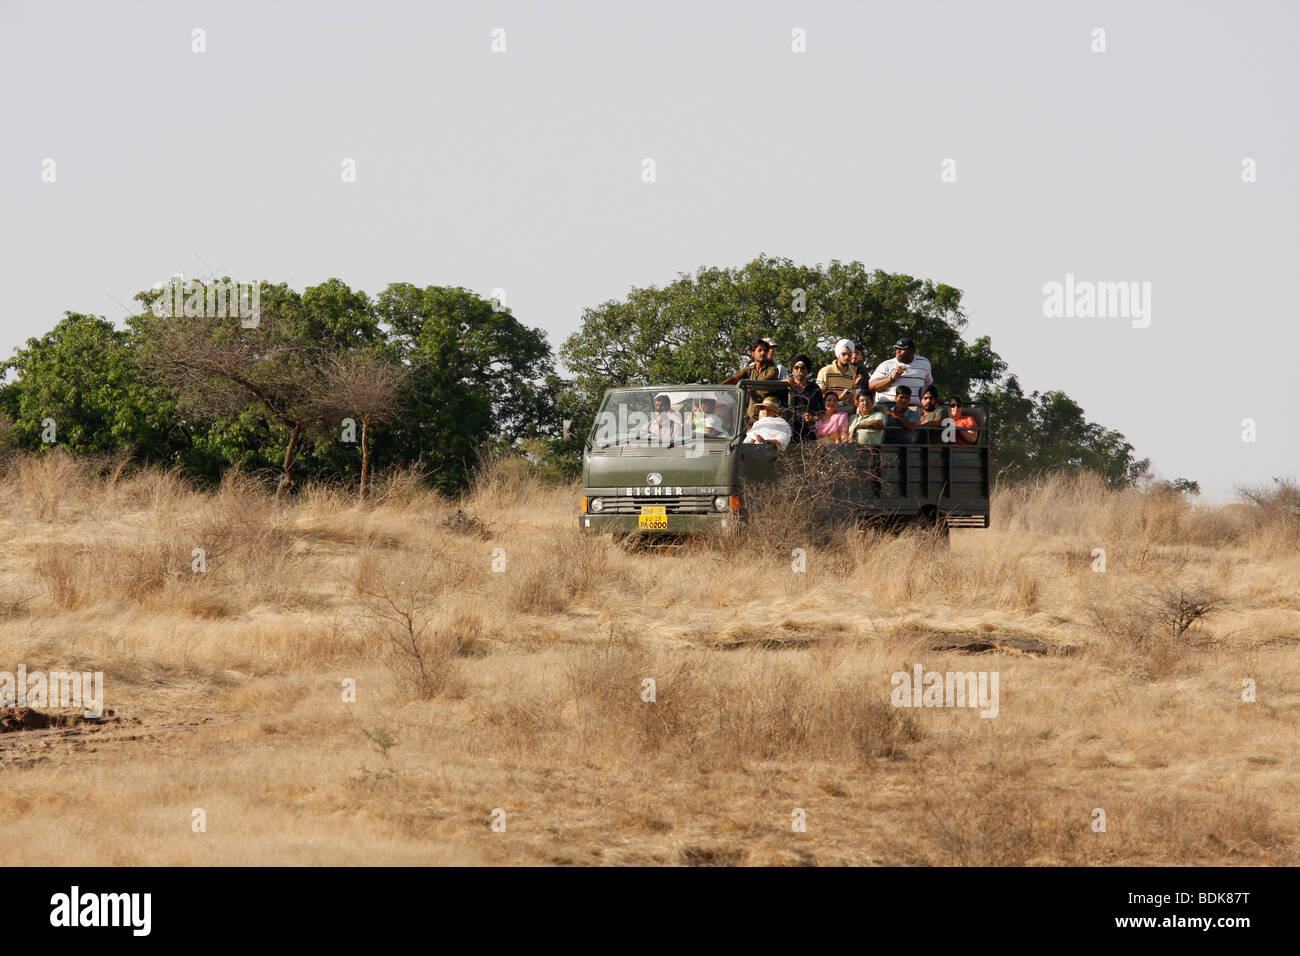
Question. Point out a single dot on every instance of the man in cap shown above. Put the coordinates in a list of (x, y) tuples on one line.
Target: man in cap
[(770, 427), (905, 368), (840, 374)]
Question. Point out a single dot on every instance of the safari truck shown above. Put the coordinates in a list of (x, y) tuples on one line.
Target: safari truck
[(673, 460)]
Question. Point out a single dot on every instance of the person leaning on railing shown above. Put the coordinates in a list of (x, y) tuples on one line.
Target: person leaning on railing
[(806, 400), (867, 427), (759, 369), (900, 421), (967, 427)]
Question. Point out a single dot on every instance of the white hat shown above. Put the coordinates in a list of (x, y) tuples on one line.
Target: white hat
[(842, 345)]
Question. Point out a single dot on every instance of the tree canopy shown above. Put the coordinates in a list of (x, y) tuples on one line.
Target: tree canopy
[(698, 328), (435, 377)]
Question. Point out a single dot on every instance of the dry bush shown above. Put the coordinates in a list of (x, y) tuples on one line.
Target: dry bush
[(802, 505), (1150, 628), (715, 708), (322, 497), (398, 488), (155, 489), (50, 480), (571, 567), (404, 599), (995, 821), (77, 574), (1276, 513), (1189, 829), (504, 482)]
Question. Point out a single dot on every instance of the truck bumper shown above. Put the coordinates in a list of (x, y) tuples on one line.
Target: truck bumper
[(677, 524)]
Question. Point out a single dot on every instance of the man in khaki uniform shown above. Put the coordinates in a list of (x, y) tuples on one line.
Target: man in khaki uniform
[(760, 369)]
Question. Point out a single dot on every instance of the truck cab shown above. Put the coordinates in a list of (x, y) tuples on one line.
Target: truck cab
[(672, 459)]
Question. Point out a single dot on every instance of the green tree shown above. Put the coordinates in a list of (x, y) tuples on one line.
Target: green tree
[(479, 380), (1047, 431), (222, 369), (82, 375), (699, 327)]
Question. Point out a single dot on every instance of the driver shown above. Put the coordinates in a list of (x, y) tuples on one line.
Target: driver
[(663, 426)]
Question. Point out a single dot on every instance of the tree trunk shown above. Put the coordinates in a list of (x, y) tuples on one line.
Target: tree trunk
[(286, 479), (365, 458)]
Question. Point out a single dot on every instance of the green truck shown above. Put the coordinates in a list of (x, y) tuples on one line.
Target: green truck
[(672, 460)]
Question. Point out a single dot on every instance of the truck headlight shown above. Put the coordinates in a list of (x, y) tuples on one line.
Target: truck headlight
[(596, 505), (720, 503)]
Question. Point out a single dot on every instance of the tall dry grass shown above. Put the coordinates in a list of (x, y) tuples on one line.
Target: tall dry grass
[(506, 658)]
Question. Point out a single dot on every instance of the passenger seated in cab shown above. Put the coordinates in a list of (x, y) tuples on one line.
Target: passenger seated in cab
[(665, 425), (770, 428), (706, 420)]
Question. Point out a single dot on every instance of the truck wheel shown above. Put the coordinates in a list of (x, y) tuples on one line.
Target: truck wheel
[(933, 524)]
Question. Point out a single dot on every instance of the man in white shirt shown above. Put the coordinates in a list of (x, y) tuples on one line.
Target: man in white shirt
[(905, 368), (770, 427)]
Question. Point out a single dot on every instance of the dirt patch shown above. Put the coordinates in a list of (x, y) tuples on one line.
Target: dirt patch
[(984, 643), (777, 642), (16, 719)]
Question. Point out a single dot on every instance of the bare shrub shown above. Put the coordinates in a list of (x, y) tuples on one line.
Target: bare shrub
[(806, 500), (1179, 607), (575, 566), (406, 630), (1276, 510), (1149, 628), (994, 822), (725, 708), (1206, 828)]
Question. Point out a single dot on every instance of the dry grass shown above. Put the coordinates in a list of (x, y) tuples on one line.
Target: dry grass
[(676, 706)]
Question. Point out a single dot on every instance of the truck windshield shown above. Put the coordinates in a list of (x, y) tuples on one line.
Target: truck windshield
[(664, 417)]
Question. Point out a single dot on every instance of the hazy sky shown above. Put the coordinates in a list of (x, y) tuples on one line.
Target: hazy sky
[(522, 170)]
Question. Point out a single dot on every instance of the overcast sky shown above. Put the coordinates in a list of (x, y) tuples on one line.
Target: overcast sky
[(522, 170)]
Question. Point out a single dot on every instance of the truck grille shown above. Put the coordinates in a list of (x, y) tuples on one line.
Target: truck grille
[(683, 505)]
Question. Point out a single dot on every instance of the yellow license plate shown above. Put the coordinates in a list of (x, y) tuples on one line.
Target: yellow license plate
[(653, 518)]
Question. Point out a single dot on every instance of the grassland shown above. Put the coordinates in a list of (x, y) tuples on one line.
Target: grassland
[(500, 658)]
